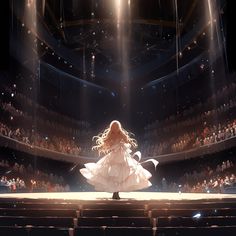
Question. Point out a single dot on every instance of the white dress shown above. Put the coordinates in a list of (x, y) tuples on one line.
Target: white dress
[(117, 171)]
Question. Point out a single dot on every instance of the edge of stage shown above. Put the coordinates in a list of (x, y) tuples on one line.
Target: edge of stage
[(125, 196)]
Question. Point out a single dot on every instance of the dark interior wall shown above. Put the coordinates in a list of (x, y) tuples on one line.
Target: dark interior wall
[(4, 39), (231, 35)]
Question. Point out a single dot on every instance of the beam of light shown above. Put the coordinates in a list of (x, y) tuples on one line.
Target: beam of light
[(92, 72), (177, 36), (214, 44), (123, 26), (118, 12), (29, 3), (210, 18)]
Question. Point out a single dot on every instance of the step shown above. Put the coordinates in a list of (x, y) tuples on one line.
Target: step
[(37, 212), (115, 221), (36, 221), (34, 231), (196, 222), (196, 231), (112, 212), (113, 231), (192, 212)]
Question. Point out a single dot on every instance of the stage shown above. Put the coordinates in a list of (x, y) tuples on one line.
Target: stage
[(125, 196), (136, 213)]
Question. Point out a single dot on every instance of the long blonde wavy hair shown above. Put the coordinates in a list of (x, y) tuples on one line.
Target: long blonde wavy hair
[(112, 135)]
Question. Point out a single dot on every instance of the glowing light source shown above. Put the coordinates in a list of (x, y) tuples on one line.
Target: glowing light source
[(197, 216), (202, 66), (118, 12)]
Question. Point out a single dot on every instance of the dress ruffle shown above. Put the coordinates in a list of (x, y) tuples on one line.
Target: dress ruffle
[(117, 171)]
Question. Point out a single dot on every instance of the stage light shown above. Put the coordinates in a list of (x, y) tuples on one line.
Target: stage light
[(29, 3), (28, 31), (12, 95), (197, 216), (23, 25)]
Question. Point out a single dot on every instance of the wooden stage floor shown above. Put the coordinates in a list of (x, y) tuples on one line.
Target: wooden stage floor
[(125, 196)]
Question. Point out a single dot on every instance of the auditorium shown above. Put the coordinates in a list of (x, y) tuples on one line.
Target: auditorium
[(117, 117)]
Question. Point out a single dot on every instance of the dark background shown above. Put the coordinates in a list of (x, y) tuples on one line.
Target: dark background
[(4, 26)]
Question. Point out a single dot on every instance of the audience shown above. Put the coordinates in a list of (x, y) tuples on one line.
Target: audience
[(186, 131), (204, 180), (21, 178)]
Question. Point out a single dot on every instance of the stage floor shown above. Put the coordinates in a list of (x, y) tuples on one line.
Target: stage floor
[(136, 196)]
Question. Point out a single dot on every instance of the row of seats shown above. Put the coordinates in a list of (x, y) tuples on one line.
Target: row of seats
[(156, 218), (118, 231)]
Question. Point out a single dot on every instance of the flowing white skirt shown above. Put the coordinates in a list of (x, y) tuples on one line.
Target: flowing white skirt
[(118, 171)]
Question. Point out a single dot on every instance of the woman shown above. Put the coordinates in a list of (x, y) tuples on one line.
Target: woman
[(117, 170)]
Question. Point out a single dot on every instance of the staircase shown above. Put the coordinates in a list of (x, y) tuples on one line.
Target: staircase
[(29, 217)]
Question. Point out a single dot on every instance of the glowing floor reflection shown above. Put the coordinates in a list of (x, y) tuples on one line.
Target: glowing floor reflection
[(123, 195)]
